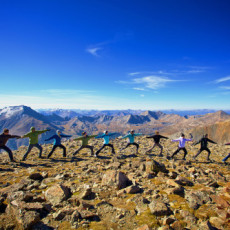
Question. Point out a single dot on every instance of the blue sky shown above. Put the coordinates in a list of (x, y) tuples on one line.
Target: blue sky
[(100, 54)]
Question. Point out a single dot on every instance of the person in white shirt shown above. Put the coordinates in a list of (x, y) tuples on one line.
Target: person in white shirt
[(182, 140)]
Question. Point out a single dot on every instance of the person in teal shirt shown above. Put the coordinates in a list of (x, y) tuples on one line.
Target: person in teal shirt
[(33, 141), (131, 137), (106, 135)]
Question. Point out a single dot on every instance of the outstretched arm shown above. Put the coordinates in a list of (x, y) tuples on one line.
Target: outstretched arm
[(78, 139), (211, 141), (49, 138), (26, 135), (111, 134), (137, 134), (196, 143), (164, 137), (175, 140), (42, 131), (15, 136), (100, 136), (150, 136), (63, 135), (125, 136), (227, 143)]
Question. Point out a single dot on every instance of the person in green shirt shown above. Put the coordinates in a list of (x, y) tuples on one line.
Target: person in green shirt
[(33, 141), (85, 139)]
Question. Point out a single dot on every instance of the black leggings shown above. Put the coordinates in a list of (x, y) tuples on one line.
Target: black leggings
[(134, 143), (56, 146), (83, 147), (30, 148), (8, 151), (178, 150), (201, 150), (109, 145)]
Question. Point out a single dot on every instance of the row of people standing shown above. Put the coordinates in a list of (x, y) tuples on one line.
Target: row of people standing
[(33, 142)]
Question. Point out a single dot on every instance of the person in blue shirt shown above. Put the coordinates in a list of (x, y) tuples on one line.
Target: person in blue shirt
[(131, 137), (106, 135), (57, 143)]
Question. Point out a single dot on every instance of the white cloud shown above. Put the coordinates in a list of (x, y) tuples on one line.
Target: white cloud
[(153, 82), (140, 89), (148, 82), (62, 92), (222, 79), (225, 87), (135, 73), (94, 51)]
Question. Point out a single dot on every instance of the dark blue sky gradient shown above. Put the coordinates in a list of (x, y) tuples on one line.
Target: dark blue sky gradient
[(115, 54)]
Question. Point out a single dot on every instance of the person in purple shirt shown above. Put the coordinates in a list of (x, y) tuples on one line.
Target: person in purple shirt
[(57, 142), (182, 140)]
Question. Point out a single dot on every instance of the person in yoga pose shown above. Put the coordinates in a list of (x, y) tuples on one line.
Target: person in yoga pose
[(156, 138), (106, 136), (182, 140), (85, 139), (204, 146), (131, 137), (4, 137), (33, 141), (226, 158), (57, 143)]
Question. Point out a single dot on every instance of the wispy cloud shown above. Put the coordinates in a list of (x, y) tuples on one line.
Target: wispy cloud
[(173, 72), (135, 73), (94, 51), (225, 87), (222, 79), (62, 92), (140, 89), (148, 82), (153, 82)]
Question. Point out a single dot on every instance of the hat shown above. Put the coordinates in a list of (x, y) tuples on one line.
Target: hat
[(5, 130), (58, 131)]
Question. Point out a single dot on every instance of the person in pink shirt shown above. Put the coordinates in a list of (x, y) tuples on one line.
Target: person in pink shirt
[(182, 140)]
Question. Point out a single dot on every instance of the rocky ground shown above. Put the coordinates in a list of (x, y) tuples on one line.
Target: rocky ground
[(115, 192)]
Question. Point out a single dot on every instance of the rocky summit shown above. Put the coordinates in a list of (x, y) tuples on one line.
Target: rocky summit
[(122, 191)]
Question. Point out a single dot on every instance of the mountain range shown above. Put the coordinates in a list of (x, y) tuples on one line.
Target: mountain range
[(19, 119)]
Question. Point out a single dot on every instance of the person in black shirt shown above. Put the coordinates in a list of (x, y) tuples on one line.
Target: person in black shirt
[(204, 146), (156, 139), (4, 137)]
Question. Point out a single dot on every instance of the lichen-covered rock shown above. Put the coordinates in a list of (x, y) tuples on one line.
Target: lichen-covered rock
[(159, 208), (56, 194), (115, 178), (196, 199)]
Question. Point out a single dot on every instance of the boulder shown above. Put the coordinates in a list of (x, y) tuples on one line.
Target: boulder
[(133, 189), (36, 176), (196, 199), (116, 179), (56, 194), (159, 208), (183, 181)]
